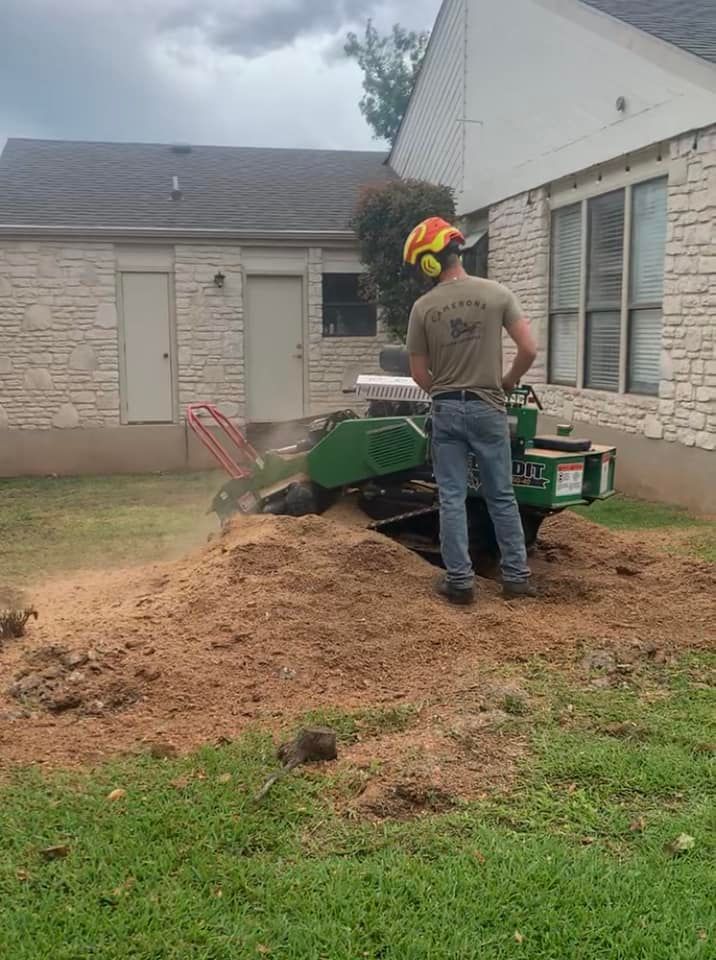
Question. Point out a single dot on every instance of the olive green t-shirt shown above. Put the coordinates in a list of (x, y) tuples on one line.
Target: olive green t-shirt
[(458, 325)]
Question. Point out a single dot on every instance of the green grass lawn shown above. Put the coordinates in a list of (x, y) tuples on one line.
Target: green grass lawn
[(690, 534), (571, 864), (49, 526)]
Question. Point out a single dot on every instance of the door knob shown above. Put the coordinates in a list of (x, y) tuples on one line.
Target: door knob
[(299, 351), (166, 356)]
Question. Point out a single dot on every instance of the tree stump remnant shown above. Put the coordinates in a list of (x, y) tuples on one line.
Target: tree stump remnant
[(311, 745)]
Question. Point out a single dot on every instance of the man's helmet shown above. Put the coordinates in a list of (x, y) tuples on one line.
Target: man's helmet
[(428, 241)]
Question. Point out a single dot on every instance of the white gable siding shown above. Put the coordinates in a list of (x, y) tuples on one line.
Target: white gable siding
[(430, 144), (543, 79)]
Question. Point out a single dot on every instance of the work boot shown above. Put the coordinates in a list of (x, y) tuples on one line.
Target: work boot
[(460, 596), (518, 590)]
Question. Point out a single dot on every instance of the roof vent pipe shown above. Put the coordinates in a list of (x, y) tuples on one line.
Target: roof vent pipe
[(176, 192)]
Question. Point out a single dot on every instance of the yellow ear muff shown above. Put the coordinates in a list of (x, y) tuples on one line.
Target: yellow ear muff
[(431, 266)]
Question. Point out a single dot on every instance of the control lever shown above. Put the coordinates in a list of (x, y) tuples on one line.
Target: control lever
[(529, 394), (536, 399)]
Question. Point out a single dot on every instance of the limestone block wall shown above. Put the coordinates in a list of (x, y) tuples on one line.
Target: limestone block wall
[(685, 409), (519, 257), (687, 394), (58, 335), (210, 326), (330, 357)]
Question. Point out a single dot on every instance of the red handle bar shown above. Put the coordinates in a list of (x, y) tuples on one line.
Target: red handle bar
[(236, 466)]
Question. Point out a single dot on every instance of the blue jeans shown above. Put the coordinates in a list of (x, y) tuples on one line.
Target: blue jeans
[(459, 429)]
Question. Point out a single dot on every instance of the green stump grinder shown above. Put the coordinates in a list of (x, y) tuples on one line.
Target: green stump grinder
[(383, 459)]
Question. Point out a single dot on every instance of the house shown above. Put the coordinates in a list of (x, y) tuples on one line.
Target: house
[(137, 278), (580, 138)]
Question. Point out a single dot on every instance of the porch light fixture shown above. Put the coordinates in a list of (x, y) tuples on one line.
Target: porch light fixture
[(219, 279)]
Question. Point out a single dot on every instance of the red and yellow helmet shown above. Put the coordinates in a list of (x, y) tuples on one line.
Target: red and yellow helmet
[(427, 241)]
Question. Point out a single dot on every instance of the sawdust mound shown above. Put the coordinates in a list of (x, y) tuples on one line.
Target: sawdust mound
[(280, 615)]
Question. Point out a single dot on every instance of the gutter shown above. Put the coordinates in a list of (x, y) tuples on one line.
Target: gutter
[(63, 232)]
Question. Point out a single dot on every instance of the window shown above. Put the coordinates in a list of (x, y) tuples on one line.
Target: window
[(564, 294), (606, 290), (475, 255), (646, 290), (605, 265), (345, 312)]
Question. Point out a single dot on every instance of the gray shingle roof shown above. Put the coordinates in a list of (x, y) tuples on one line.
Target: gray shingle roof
[(689, 24), (126, 185)]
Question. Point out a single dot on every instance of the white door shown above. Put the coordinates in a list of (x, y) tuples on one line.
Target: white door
[(148, 391), (274, 348)]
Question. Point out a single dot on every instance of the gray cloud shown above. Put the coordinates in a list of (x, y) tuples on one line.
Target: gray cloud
[(255, 28), (77, 66), (246, 72)]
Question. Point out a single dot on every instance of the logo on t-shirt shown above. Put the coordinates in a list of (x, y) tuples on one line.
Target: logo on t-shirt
[(459, 328), (436, 313)]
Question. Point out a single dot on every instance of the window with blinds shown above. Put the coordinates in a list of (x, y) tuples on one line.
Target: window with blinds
[(566, 259), (606, 292), (605, 272), (646, 287)]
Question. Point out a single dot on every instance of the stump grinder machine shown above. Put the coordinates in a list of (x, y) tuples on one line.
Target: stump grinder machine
[(382, 458)]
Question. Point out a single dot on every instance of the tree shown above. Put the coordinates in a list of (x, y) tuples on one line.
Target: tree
[(390, 65), (384, 217)]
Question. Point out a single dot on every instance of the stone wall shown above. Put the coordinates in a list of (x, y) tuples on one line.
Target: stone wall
[(59, 354), (210, 326), (685, 410), (58, 335), (687, 393), (519, 257), (331, 357)]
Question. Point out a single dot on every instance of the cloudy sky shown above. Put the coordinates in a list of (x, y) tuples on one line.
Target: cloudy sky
[(244, 72)]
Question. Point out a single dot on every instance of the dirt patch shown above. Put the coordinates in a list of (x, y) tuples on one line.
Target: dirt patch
[(431, 768), (281, 615), (57, 679)]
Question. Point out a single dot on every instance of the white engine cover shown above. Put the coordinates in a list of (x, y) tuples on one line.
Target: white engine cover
[(370, 387)]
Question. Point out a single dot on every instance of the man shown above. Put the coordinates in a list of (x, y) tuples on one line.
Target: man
[(455, 347)]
